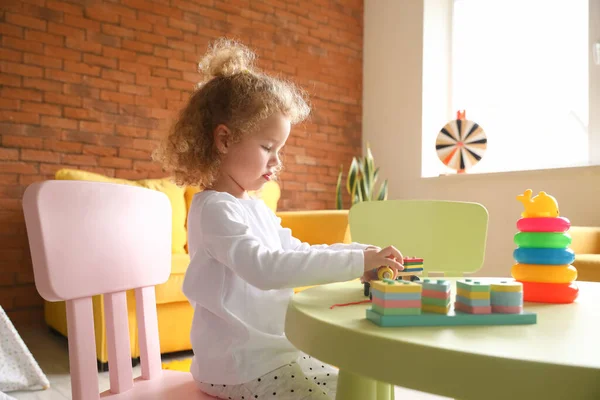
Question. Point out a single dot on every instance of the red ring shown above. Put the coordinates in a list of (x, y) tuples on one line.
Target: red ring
[(556, 224), (557, 293)]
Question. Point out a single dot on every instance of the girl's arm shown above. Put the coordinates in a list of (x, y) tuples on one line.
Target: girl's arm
[(289, 242), (226, 236)]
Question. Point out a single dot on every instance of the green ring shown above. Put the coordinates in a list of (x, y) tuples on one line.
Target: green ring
[(544, 240)]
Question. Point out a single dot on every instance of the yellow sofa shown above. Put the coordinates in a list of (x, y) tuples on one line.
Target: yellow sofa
[(586, 245), (173, 309)]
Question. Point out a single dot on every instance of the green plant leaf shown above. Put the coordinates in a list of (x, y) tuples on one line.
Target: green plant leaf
[(366, 179), (383, 191), (363, 189), (370, 169), (352, 177), (338, 190), (375, 175), (357, 196)]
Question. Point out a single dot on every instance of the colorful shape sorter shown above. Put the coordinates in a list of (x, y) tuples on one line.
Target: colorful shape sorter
[(476, 303), (436, 296), (507, 297), (391, 297), (473, 297)]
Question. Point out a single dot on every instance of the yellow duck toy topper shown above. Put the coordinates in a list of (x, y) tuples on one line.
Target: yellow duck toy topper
[(541, 206)]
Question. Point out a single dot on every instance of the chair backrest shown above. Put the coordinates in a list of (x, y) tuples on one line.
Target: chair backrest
[(450, 236), (91, 238)]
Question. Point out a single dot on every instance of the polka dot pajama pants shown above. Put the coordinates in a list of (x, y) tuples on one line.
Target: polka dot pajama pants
[(305, 379)]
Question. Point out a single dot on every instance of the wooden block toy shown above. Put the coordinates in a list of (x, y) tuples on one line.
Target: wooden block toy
[(412, 261), (507, 287), (435, 309), (396, 295), (507, 310), (412, 269), (436, 296), (459, 306), (453, 318), (477, 303), (391, 297), (391, 286), (439, 285), (470, 285), (473, 297), (507, 297)]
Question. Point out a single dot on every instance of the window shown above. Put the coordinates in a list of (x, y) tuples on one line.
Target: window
[(520, 69)]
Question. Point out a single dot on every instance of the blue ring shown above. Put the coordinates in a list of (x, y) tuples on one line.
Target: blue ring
[(542, 256)]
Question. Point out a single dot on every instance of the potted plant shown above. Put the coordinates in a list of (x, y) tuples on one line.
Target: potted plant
[(360, 182)]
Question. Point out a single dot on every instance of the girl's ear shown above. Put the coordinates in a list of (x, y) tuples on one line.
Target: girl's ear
[(222, 136)]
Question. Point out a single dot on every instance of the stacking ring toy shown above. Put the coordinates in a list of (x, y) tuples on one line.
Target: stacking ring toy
[(558, 293), (544, 256), (556, 224), (546, 240), (544, 273)]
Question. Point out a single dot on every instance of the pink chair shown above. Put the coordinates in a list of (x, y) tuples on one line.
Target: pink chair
[(90, 238)]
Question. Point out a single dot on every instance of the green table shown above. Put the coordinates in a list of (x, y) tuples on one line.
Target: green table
[(557, 358)]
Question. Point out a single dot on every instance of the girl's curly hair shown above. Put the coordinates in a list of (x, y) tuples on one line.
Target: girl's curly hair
[(235, 94)]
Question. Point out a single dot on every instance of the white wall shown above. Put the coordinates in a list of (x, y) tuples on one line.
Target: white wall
[(392, 124)]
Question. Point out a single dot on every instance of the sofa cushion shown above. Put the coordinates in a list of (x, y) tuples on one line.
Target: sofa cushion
[(588, 267), (164, 185), (170, 291)]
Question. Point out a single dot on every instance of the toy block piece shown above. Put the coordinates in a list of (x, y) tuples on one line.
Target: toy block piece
[(505, 286), (435, 309), (507, 299), (439, 285), (396, 303), (459, 306), (412, 261), (395, 311), (435, 294), (471, 285), (410, 273), (396, 296), (507, 310), (432, 301), (412, 269), (451, 319), (473, 302), (391, 286), (473, 295)]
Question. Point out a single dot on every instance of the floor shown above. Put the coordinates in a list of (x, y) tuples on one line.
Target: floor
[(50, 351)]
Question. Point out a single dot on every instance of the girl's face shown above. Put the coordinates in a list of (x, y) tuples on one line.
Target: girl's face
[(254, 160)]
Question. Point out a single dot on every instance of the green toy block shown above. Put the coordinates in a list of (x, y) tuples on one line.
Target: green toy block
[(435, 302), (395, 311), (471, 285), (453, 318)]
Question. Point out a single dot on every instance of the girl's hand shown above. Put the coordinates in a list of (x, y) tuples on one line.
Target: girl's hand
[(376, 257)]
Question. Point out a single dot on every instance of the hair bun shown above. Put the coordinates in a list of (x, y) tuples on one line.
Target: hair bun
[(226, 57)]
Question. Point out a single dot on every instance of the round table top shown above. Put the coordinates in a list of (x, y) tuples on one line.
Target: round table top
[(558, 357)]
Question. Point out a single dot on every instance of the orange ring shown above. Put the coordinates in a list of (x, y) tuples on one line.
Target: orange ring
[(556, 293)]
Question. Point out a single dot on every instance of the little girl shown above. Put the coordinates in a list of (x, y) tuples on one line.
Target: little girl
[(244, 265)]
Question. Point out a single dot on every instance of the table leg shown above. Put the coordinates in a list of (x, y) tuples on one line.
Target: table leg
[(355, 387)]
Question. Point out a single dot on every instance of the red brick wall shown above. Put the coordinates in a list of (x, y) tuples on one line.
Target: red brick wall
[(93, 84)]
